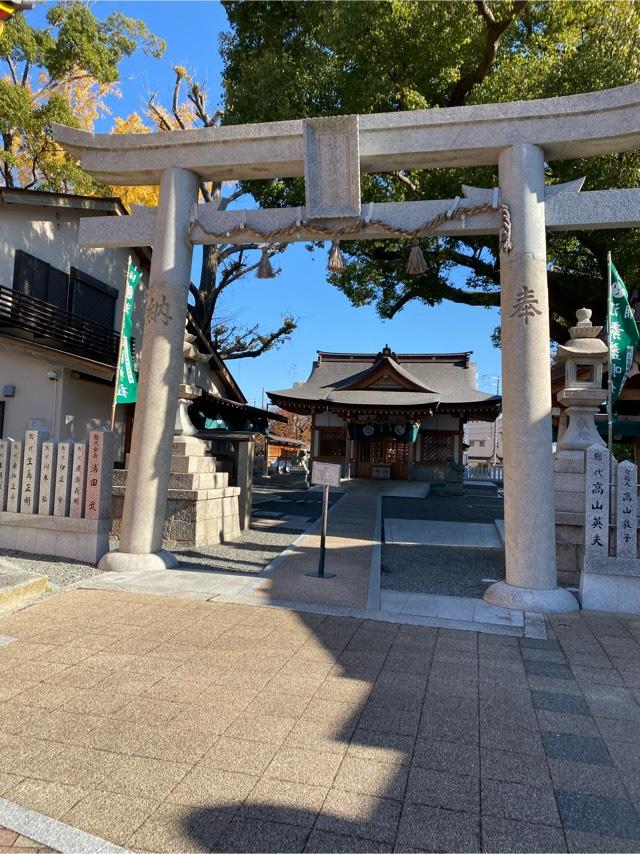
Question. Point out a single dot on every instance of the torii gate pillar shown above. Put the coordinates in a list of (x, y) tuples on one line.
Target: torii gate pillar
[(145, 502), (530, 543)]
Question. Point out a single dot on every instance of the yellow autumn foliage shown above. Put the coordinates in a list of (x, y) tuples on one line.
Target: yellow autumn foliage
[(134, 195), (161, 119)]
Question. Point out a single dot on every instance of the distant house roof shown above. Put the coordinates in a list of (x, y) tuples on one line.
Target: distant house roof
[(101, 205), (401, 383), (48, 198), (283, 441)]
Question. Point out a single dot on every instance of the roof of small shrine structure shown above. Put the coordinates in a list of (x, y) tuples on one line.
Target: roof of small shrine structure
[(385, 383)]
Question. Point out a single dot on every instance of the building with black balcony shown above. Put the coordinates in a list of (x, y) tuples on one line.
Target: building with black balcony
[(60, 313)]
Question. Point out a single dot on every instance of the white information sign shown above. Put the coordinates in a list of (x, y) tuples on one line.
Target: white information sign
[(326, 474)]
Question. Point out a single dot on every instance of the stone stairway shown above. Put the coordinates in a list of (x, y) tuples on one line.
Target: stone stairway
[(202, 509)]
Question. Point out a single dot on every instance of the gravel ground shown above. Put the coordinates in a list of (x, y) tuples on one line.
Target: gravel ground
[(478, 504), (251, 553), (275, 482), (443, 570), (61, 573), (276, 499), (286, 510)]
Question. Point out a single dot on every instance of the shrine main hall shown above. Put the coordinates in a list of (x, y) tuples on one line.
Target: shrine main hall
[(389, 415)]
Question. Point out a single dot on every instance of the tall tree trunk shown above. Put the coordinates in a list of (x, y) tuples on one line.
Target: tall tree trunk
[(207, 289), (7, 140)]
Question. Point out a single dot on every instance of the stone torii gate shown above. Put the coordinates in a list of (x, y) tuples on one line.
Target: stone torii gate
[(331, 153)]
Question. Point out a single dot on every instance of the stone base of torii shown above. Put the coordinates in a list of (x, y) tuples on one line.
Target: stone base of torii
[(331, 153)]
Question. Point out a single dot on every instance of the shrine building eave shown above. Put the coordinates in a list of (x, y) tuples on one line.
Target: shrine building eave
[(566, 127), (487, 409)]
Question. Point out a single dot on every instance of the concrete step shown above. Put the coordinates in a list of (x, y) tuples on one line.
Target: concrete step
[(17, 586)]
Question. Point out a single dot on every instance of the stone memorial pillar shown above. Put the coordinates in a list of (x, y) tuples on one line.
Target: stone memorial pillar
[(244, 480), (530, 549), (31, 470), (15, 477), (160, 373), (627, 511), (64, 465), (97, 504), (47, 478), (78, 473), (596, 519), (5, 452)]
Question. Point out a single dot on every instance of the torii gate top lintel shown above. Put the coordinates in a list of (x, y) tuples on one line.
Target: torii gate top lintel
[(565, 127)]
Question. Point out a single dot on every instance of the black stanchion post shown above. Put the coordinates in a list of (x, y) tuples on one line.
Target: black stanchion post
[(323, 537)]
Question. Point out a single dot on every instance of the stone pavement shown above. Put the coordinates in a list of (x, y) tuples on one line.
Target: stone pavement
[(435, 533), (354, 553), (14, 843), (166, 724), (351, 539)]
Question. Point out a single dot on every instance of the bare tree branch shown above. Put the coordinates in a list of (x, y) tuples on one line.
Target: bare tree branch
[(233, 249), (259, 344), (485, 12), (175, 101), (12, 69), (25, 73), (495, 30), (480, 267), (407, 181), (227, 200), (157, 112)]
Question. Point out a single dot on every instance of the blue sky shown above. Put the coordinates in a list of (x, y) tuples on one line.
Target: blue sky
[(327, 321)]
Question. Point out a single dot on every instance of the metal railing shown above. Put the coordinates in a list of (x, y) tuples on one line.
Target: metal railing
[(32, 319)]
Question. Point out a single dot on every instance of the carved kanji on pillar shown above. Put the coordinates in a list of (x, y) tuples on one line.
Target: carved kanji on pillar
[(525, 305)]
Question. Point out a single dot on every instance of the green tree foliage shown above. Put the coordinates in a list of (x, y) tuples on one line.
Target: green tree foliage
[(293, 59), (61, 72)]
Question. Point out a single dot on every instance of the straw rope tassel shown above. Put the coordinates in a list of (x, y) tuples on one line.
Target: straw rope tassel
[(336, 259), (265, 270), (416, 265)]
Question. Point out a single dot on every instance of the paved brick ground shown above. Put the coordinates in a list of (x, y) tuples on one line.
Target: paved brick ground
[(174, 725), (13, 843)]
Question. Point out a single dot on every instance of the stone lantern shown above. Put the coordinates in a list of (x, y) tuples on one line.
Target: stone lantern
[(188, 391), (583, 355)]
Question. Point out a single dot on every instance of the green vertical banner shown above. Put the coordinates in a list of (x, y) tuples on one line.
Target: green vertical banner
[(623, 334), (126, 380)]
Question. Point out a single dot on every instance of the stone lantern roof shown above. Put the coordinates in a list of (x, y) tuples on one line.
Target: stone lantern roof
[(584, 341)]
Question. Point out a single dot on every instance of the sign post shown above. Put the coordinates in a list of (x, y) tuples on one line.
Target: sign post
[(326, 474)]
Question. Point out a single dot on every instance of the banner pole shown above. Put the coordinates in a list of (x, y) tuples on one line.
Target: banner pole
[(609, 378), (116, 377)]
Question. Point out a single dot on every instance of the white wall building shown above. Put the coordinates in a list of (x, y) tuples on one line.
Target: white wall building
[(60, 313), (480, 438)]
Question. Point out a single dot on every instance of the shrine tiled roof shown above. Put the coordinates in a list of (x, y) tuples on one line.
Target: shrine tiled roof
[(389, 379)]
